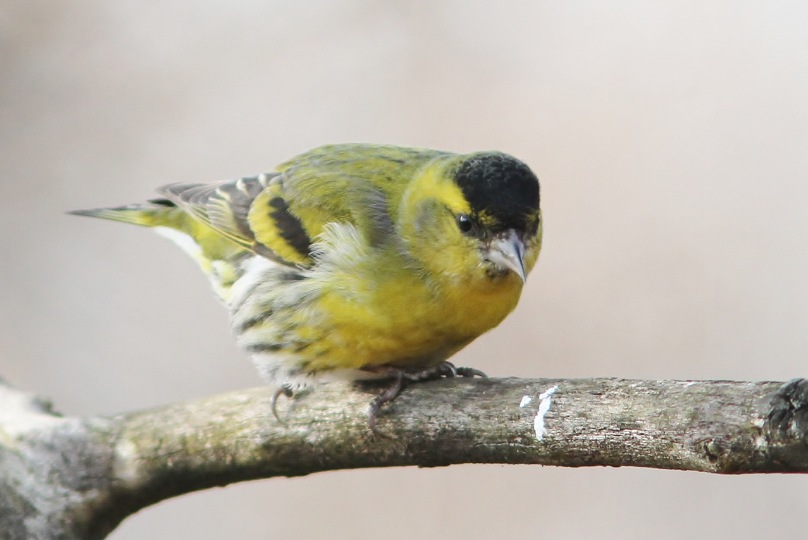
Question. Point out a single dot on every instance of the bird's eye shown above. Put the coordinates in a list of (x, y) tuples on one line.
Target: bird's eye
[(464, 223)]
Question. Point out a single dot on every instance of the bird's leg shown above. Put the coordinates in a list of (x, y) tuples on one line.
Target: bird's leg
[(386, 396)]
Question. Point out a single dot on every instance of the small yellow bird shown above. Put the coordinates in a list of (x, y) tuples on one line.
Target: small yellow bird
[(359, 261)]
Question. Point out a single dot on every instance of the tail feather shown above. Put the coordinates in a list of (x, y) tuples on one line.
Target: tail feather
[(155, 213), (203, 242)]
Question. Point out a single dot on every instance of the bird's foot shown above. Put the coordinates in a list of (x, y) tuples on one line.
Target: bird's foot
[(403, 376)]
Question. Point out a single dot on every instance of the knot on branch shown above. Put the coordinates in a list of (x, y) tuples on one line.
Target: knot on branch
[(787, 421)]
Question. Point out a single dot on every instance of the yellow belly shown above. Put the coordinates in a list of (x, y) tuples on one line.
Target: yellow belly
[(405, 321)]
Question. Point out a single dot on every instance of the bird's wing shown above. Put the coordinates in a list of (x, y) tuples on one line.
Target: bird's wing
[(224, 207), (279, 215)]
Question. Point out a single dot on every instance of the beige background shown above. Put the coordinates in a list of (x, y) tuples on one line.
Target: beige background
[(670, 138)]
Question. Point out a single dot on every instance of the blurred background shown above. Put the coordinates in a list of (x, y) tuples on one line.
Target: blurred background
[(670, 139)]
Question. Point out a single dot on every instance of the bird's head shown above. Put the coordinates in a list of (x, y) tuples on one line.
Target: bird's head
[(473, 218)]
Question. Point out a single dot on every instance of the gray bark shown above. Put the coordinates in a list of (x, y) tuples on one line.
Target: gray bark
[(66, 477)]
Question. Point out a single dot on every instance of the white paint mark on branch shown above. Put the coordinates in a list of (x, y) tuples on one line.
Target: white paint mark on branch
[(525, 401), (544, 406)]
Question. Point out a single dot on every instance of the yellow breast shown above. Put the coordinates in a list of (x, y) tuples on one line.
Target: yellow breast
[(403, 319)]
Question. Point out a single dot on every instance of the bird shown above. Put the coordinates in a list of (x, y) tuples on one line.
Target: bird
[(358, 261)]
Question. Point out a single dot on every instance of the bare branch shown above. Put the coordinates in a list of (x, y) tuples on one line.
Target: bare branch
[(79, 477)]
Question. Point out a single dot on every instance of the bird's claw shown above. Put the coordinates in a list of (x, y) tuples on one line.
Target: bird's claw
[(401, 377), (284, 390)]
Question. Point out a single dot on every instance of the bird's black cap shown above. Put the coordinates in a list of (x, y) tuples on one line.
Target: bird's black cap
[(501, 190)]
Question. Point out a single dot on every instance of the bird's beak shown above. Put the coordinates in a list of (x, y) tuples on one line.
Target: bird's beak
[(507, 251)]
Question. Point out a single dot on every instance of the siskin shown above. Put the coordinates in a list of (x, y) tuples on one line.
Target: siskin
[(359, 261)]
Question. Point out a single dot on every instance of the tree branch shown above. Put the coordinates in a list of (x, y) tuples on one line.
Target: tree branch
[(79, 477)]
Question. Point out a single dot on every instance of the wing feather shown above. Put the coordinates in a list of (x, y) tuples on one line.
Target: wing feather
[(279, 215)]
